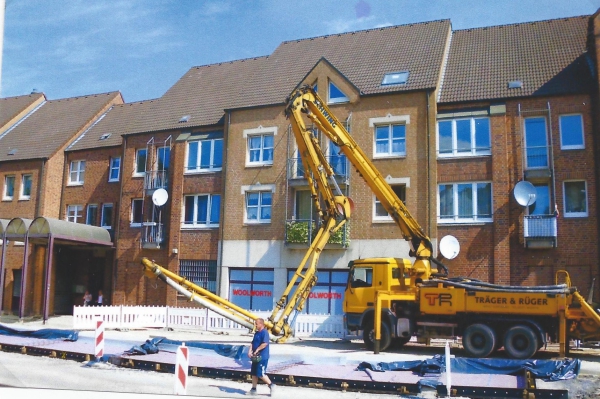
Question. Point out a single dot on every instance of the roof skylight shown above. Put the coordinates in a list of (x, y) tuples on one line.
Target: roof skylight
[(184, 118), (395, 78), (105, 136), (515, 84)]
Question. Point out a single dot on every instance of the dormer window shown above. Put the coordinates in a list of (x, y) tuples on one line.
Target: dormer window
[(336, 95), (395, 78)]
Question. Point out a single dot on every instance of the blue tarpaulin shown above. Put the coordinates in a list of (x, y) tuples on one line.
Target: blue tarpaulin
[(45, 333), (548, 370), (151, 346)]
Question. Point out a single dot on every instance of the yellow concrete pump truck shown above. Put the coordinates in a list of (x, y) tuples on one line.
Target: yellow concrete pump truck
[(393, 299)]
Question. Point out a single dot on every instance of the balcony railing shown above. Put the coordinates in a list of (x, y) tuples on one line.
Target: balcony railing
[(152, 234), (303, 231), (537, 157), (339, 164), (540, 231), (156, 179)]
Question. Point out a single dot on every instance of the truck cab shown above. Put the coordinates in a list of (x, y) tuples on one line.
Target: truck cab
[(366, 278)]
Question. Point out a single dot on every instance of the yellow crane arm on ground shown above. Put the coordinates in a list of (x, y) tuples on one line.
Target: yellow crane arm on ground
[(333, 208)]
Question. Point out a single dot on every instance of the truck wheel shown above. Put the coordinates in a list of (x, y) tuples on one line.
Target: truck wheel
[(520, 342), (369, 337), (479, 340)]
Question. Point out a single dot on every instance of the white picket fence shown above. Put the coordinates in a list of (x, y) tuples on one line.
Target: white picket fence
[(132, 317)]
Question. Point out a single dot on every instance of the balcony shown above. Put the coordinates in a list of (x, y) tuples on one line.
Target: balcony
[(301, 232), (156, 179), (537, 165), (339, 164), (152, 235), (540, 231)]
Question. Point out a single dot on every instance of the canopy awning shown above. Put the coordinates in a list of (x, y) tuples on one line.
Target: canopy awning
[(43, 227), (17, 229), (3, 224)]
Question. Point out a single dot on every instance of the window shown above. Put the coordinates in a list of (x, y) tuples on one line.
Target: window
[(163, 156), (92, 215), (541, 206), (205, 155), (74, 213), (203, 273), (395, 78), (575, 193), (379, 211), (202, 210), (327, 295), (137, 211), (535, 143), (260, 149), (9, 187), (251, 289), (258, 206), (25, 187), (571, 132), (115, 169), (77, 172), (390, 140), (106, 219), (140, 162), (465, 202), (336, 95), (464, 137)]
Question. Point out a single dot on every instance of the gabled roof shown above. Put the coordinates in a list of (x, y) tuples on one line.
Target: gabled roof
[(11, 107), (52, 125), (548, 57), (203, 94), (107, 131), (363, 57)]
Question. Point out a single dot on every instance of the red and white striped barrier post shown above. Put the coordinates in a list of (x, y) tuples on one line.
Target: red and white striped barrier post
[(181, 369), (99, 339)]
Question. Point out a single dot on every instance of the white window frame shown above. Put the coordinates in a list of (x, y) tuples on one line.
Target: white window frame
[(263, 132), (76, 173), (87, 215), (199, 169), (400, 181), (575, 214), (6, 197), (22, 194), (389, 120), (74, 212), (132, 213), (112, 167), (104, 207), (571, 147), (136, 172), (474, 151), (195, 225), (258, 188), (456, 219)]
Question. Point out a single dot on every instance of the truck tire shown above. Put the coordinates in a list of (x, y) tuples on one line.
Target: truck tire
[(369, 336), (521, 342), (479, 340)]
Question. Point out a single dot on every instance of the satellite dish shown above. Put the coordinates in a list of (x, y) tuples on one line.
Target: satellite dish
[(449, 247), (160, 197), (524, 193)]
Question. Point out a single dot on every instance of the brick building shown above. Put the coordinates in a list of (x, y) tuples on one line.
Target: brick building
[(206, 180), (32, 163)]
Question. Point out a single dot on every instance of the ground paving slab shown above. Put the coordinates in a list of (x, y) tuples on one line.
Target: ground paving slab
[(330, 364)]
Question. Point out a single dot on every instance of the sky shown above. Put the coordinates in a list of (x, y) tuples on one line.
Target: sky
[(68, 48)]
